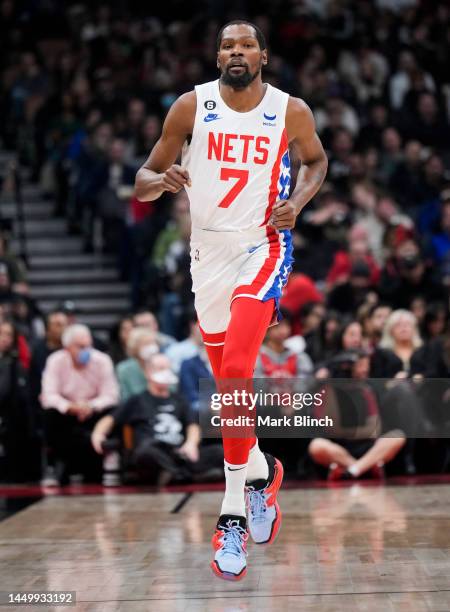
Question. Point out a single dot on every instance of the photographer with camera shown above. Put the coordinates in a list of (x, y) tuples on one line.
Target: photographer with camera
[(407, 275)]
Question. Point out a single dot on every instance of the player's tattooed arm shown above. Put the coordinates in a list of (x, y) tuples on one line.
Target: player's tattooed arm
[(160, 172), (301, 131)]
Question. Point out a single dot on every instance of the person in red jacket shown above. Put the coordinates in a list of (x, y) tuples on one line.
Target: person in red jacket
[(358, 251)]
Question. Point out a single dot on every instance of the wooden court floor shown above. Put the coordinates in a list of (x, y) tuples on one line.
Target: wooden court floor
[(354, 549)]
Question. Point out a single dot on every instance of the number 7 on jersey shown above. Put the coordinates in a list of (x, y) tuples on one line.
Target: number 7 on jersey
[(242, 179)]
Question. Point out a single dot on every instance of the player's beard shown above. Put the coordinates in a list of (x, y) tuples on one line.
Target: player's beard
[(239, 81)]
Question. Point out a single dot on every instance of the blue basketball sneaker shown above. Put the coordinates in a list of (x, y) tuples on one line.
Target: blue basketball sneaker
[(263, 511), (230, 543)]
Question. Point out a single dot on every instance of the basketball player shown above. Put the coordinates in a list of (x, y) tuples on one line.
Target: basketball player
[(234, 134)]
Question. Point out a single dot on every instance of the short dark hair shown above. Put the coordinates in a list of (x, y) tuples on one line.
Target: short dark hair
[(52, 313), (258, 33)]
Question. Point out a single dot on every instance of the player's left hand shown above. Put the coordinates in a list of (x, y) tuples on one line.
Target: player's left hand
[(284, 214)]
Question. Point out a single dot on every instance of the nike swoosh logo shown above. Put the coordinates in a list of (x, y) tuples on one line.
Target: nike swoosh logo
[(253, 249), (269, 117), (235, 469), (211, 117)]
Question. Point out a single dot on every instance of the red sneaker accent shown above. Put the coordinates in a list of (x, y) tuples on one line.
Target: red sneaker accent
[(275, 485), (216, 543), (215, 540)]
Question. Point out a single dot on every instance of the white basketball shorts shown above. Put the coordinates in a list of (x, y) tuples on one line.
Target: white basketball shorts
[(228, 265)]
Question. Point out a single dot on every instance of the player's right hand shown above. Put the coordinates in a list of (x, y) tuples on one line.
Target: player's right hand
[(175, 178)]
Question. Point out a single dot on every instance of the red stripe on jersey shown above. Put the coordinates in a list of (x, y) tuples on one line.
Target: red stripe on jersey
[(213, 338), (266, 269), (274, 249), (273, 190)]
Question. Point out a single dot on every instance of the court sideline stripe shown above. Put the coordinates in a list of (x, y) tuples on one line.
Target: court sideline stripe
[(249, 595), (183, 501)]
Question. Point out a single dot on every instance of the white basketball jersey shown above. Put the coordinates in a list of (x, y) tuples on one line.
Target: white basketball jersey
[(238, 162)]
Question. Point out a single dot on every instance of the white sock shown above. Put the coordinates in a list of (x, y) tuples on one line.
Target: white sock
[(353, 470), (234, 500), (258, 468)]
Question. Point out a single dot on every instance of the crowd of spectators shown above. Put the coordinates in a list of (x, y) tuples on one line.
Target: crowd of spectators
[(84, 88)]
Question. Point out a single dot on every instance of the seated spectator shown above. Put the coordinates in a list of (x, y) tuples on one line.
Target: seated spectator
[(391, 155), (311, 317), (323, 229), (6, 292), (401, 336), (440, 240), (348, 337), (146, 319), (166, 435), (171, 240), (118, 339), (277, 359), (15, 422), (188, 348), (322, 344), (351, 337), (418, 307), (434, 321), (406, 275), (15, 266), (377, 120), (407, 182), (432, 360), (191, 371), (350, 295), (431, 364), (358, 251), (428, 124), (373, 321), (55, 324), (141, 346), (78, 385), (114, 182), (300, 290), (348, 457), (27, 317)]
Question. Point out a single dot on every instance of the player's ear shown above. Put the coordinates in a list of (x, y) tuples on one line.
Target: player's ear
[(264, 57), (217, 62)]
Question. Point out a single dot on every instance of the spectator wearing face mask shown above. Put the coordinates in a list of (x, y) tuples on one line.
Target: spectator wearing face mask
[(78, 385), (166, 436), (141, 346)]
